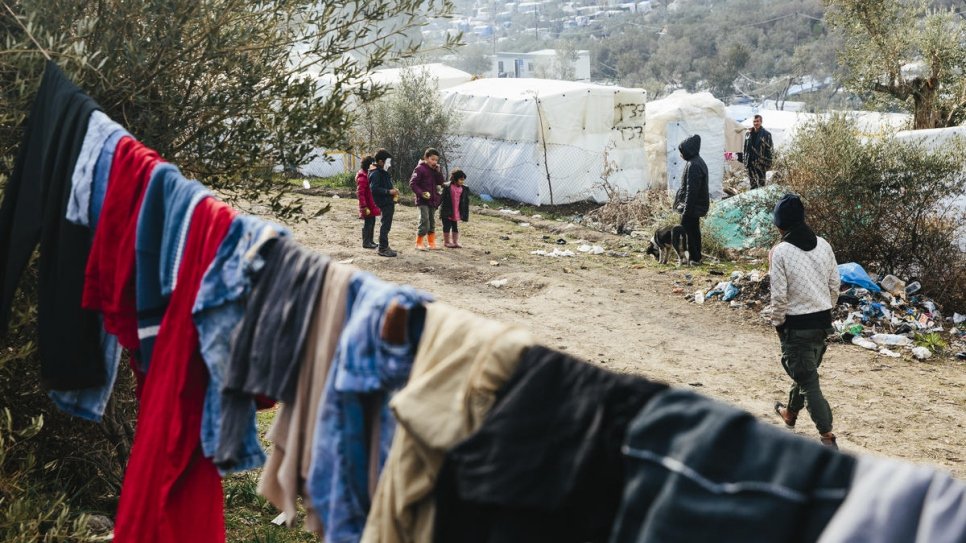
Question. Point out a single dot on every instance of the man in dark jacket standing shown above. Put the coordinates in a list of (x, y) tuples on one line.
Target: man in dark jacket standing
[(757, 154), (692, 200), (385, 196)]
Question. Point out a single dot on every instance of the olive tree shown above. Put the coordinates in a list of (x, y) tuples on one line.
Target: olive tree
[(904, 52), (226, 89)]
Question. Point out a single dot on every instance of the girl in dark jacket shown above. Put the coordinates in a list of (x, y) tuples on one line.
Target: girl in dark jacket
[(368, 210), (454, 207)]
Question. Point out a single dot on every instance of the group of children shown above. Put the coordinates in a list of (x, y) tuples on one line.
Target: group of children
[(378, 197)]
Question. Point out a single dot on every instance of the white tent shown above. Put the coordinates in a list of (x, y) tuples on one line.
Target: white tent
[(671, 120), (543, 141), (931, 140), (784, 125), (445, 76)]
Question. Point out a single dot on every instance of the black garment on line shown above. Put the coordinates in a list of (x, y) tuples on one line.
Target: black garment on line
[(34, 208), (758, 482), (268, 343), (546, 463)]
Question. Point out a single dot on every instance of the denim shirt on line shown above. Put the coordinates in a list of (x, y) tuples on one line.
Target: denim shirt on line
[(219, 307), (90, 403), (365, 369)]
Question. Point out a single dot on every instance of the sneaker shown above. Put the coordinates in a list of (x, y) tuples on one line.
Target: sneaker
[(369, 245), (828, 439), (386, 252), (788, 416)]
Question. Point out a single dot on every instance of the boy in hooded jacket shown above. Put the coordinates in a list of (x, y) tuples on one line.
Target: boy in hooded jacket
[(424, 182), (384, 194), (692, 199)]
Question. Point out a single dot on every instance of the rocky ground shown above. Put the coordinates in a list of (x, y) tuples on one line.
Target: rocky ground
[(622, 310)]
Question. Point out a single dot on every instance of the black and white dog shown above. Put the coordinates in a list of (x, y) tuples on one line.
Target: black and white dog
[(666, 239)]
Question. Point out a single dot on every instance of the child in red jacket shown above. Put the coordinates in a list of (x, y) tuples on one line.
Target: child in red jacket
[(368, 211)]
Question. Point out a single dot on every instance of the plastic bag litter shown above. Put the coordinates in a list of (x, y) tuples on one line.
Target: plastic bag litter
[(497, 283), (510, 211), (887, 352), (699, 297), (864, 343), (730, 292), (851, 273), (554, 254), (592, 249), (958, 319), (891, 339), (921, 353)]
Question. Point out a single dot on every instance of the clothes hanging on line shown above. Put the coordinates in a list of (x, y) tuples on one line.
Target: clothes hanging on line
[(891, 501), (218, 308), (33, 209), (461, 363), (171, 492), (372, 361), (283, 480), (100, 128), (687, 456), (268, 342), (532, 473), (163, 221)]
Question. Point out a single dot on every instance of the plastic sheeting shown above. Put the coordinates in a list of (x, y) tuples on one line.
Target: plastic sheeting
[(542, 141)]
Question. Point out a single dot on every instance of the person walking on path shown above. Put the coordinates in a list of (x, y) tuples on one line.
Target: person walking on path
[(385, 195), (454, 207), (368, 210), (757, 153), (424, 182), (692, 199), (804, 289)]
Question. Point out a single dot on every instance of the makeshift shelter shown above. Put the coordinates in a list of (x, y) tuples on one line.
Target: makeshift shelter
[(932, 140), (543, 141), (671, 120)]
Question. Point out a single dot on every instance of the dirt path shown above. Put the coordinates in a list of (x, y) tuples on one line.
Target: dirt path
[(620, 312)]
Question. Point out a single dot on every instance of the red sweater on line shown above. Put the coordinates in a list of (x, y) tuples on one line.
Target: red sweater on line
[(171, 492), (109, 277)]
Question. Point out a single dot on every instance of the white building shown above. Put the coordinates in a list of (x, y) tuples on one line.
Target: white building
[(543, 64)]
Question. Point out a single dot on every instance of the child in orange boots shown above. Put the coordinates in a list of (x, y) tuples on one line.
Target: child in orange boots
[(426, 177), (454, 207)]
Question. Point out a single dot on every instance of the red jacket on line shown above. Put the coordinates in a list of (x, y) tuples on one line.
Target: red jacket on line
[(365, 195), (171, 492)]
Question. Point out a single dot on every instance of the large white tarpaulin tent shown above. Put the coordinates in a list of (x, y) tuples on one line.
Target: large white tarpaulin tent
[(671, 120), (931, 140), (542, 141)]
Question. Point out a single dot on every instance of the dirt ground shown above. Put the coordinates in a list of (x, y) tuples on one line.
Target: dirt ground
[(620, 312)]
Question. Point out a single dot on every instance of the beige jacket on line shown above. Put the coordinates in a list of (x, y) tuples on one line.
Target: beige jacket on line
[(283, 478), (461, 362)]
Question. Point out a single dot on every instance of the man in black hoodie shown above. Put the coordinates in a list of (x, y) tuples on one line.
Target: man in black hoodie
[(692, 199), (804, 289)]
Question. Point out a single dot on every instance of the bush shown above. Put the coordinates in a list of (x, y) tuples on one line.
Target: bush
[(884, 204), (406, 122)]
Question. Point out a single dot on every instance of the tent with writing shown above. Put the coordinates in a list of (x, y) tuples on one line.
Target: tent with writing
[(543, 141)]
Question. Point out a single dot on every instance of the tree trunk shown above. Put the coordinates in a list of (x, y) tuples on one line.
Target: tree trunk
[(925, 114)]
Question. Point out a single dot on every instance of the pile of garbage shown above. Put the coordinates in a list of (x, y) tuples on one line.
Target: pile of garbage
[(887, 316), (890, 314)]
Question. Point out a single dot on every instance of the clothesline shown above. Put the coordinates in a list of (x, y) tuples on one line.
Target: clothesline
[(401, 418)]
